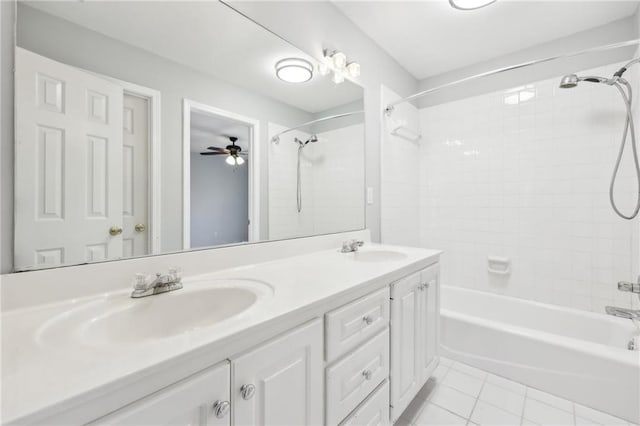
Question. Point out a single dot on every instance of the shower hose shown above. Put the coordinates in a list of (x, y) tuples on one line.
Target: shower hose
[(629, 128)]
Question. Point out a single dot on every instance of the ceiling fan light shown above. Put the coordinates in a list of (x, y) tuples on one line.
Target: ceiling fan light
[(294, 70), (239, 161), (470, 4), (230, 160)]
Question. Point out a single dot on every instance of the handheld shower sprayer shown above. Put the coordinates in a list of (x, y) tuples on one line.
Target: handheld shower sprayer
[(572, 80)]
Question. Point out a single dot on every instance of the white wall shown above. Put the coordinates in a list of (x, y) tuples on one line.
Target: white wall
[(219, 201), (313, 26), (524, 173)]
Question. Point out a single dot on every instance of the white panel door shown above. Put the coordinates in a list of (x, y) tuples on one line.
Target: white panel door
[(68, 164), (405, 343), (135, 123), (280, 382), (190, 402), (429, 278)]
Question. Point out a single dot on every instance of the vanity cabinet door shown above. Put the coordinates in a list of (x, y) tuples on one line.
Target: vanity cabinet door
[(429, 310), (280, 382), (201, 399), (406, 303)]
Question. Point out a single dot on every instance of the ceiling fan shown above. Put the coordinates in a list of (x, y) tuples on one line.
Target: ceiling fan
[(233, 152)]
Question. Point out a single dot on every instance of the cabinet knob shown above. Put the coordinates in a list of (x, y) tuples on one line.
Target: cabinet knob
[(367, 320), (221, 408), (367, 374), (247, 391), (421, 287)]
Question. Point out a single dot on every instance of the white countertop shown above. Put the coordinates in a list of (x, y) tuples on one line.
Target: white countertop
[(43, 379)]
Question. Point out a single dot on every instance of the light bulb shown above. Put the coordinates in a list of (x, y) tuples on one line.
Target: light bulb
[(323, 69), (338, 77), (353, 69), (339, 60), (230, 160), (239, 161)]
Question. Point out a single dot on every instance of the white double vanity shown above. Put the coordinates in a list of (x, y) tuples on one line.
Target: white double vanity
[(306, 335)]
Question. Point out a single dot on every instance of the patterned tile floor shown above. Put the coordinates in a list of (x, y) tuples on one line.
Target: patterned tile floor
[(459, 394)]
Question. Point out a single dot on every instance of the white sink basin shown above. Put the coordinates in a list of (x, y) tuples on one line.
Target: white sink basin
[(117, 318), (378, 255)]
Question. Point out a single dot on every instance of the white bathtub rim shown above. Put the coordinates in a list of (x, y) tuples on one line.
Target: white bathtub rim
[(558, 308), (622, 355)]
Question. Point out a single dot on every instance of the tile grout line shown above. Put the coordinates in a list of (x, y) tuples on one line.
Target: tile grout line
[(524, 404), (486, 376)]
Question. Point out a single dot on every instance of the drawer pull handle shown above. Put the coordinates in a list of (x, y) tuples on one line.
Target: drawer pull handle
[(367, 320), (247, 391), (221, 408), (367, 374)]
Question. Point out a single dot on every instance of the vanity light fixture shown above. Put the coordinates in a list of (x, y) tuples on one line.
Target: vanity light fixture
[(294, 70), (336, 62), (470, 4)]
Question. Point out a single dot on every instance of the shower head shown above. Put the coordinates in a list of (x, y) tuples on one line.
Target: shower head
[(570, 81), (312, 139)]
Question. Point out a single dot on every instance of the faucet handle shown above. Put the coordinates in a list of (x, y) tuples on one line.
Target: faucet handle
[(140, 281), (175, 274), (629, 286)]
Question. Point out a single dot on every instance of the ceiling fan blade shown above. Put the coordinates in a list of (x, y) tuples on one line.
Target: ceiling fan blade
[(215, 148), (243, 153), (213, 153)]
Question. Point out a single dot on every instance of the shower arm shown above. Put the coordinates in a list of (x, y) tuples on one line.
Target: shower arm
[(390, 107)]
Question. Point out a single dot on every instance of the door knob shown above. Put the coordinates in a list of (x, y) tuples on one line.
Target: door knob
[(221, 408), (140, 227), (115, 230), (247, 391)]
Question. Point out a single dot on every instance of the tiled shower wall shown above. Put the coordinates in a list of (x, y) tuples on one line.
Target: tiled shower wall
[(332, 175), (523, 174)]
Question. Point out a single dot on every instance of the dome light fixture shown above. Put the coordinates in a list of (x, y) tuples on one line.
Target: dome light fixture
[(294, 70), (470, 4)]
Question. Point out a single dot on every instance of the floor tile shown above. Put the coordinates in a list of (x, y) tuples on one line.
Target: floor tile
[(506, 383), (503, 398), (434, 415), (412, 412), (485, 414), (453, 400), (586, 422), (544, 414), (597, 417), (446, 361), (439, 373), (471, 371), (549, 399), (463, 382)]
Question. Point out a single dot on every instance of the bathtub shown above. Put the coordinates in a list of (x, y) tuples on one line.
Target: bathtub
[(578, 355)]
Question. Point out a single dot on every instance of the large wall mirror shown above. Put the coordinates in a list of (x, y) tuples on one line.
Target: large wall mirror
[(154, 127)]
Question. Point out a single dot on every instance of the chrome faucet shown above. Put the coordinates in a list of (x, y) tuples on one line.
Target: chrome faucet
[(351, 246), (629, 286), (623, 312), (147, 285)]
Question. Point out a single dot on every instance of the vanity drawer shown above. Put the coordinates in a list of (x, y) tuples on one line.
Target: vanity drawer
[(351, 379), (374, 411), (352, 324)]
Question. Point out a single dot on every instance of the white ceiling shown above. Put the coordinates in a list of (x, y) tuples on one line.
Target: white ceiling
[(212, 130), (430, 37), (209, 37)]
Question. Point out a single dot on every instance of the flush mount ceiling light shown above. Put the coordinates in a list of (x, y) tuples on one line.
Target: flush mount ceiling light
[(470, 4), (294, 70), (336, 62)]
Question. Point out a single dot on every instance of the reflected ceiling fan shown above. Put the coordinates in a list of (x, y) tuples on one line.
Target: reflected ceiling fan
[(233, 152)]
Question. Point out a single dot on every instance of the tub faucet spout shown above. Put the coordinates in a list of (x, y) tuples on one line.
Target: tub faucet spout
[(623, 313)]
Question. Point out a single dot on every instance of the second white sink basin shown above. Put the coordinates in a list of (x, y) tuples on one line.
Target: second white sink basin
[(378, 255), (118, 318)]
